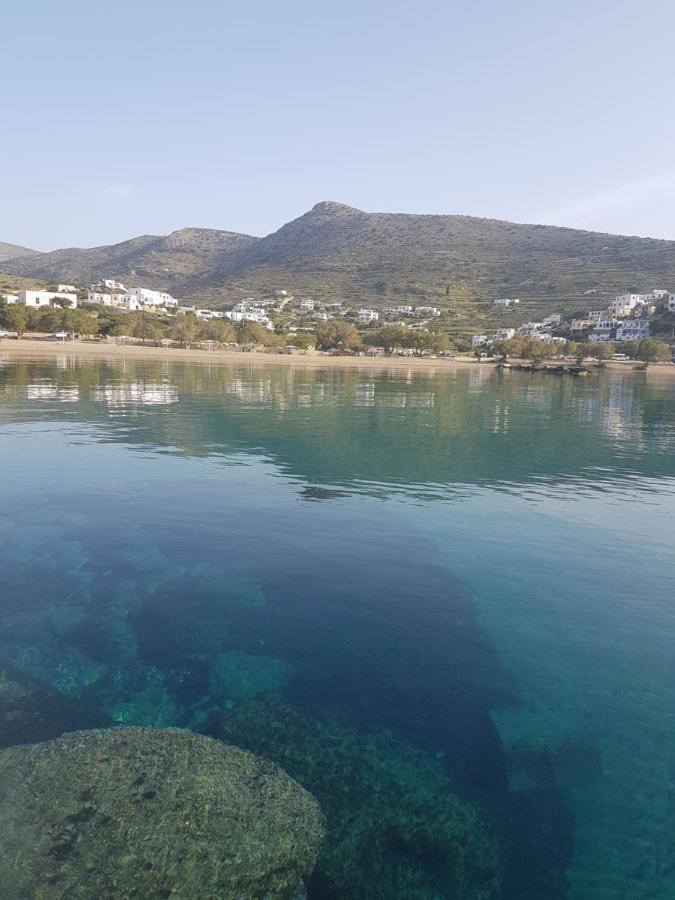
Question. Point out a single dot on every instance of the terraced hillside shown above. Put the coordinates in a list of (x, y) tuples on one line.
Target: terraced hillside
[(335, 252)]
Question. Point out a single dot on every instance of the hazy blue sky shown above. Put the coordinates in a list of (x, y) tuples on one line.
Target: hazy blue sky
[(140, 117)]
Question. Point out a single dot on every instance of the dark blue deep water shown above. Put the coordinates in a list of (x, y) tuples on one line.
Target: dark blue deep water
[(420, 593)]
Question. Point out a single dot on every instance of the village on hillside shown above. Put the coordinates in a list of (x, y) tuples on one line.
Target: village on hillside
[(303, 322)]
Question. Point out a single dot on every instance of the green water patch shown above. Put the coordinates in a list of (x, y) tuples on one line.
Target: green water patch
[(589, 643)]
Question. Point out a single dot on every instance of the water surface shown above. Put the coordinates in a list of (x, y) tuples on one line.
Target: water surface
[(460, 580)]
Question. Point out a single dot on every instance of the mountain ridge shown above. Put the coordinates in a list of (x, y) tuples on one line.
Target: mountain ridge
[(335, 252)]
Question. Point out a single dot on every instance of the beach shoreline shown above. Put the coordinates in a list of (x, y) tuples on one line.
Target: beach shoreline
[(27, 348)]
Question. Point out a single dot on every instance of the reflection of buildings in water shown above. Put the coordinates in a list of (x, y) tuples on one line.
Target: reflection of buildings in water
[(500, 418), (137, 392), (52, 392), (364, 393), (619, 416), (477, 376)]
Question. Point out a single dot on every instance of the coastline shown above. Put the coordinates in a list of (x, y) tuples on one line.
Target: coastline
[(27, 348)]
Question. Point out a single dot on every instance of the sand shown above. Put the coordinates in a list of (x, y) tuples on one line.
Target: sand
[(31, 348)]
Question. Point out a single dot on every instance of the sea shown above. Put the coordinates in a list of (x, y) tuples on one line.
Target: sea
[(442, 599)]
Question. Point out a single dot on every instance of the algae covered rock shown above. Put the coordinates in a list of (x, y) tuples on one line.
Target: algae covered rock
[(139, 812), (394, 827)]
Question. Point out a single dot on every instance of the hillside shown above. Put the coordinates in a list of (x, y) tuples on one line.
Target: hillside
[(13, 251), (335, 252), (167, 262)]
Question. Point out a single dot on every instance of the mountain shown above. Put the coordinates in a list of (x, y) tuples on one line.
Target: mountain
[(13, 251), (167, 262), (335, 252)]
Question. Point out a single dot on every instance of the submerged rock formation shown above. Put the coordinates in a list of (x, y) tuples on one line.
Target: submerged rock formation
[(394, 828), (138, 812)]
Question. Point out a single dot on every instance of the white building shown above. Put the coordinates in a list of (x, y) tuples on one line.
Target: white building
[(113, 285), (146, 297), (506, 301), (99, 297), (552, 320), (398, 311), (479, 340), (427, 311), (66, 288), (530, 328), (11, 298), (306, 305), (633, 330), (37, 299), (368, 315), (505, 334)]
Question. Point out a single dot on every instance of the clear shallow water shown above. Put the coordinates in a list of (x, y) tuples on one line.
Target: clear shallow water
[(468, 570)]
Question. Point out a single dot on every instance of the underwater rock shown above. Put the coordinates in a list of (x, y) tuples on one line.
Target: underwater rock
[(149, 704), (30, 712), (53, 663), (394, 829), (150, 813), (238, 676)]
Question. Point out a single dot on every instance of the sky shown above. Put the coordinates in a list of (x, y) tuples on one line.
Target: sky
[(142, 117)]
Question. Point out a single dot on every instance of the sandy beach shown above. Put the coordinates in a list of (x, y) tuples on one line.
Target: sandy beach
[(29, 348)]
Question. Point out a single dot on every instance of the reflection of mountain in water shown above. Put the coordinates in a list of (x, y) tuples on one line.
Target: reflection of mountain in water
[(372, 430)]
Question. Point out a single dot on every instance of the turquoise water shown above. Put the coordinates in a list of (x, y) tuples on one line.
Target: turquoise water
[(403, 586)]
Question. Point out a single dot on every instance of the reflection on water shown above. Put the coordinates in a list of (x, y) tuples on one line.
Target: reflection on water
[(475, 605)]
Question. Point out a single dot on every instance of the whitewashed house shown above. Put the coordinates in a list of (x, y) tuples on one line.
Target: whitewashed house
[(99, 297), (505, 334), (506, 301), (368, 315), (146, 297), (553, 320), (10, 299), (37, 299), (479, 340)]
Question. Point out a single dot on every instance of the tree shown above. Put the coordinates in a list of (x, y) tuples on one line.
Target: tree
[(422, 339), (601, 351), (62, 302), (535, 350), (631, 349), (146, 326), (390, 337), (185, 330), (571, 348), (653, 350), (337, 334), (217, 330), (251, 333), (303, 340), (15, 317), (47, 320), (79, 322)]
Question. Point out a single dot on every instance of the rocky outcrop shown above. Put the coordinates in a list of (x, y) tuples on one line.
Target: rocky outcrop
[(138, 812)]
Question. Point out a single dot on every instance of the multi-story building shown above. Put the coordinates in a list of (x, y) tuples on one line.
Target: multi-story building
[(633, 330), (368, 315)]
